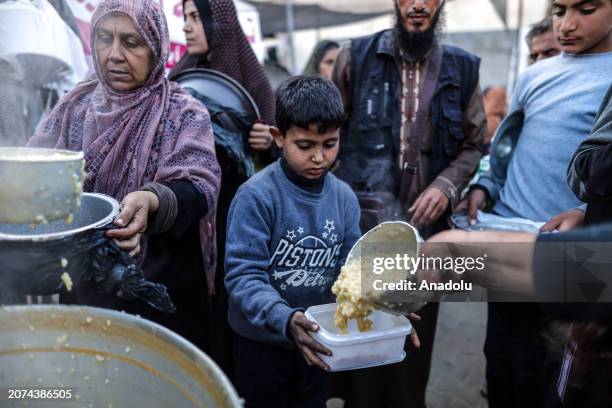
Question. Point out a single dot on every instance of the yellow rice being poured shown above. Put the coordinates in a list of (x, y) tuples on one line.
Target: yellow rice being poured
[(355, 293), (351, 303)]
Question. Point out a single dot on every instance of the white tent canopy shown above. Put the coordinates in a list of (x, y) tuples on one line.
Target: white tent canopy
[(462, 15)]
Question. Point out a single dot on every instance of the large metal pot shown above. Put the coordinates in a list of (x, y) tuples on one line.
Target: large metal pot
[(106, 359), (39, 185)]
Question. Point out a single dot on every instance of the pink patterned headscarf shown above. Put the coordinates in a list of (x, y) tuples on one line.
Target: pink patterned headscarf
[(154, 133)]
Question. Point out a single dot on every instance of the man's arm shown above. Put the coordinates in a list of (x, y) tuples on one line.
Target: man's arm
[(589, 172), (549, 268), (508, 257), (446, 188), (456, 176), (247, 258)]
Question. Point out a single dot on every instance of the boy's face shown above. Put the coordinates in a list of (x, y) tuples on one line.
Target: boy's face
[(308, 153), (583, 26)]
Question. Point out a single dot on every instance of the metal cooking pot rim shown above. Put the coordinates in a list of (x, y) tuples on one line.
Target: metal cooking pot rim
[(200, 358), (58, 235)]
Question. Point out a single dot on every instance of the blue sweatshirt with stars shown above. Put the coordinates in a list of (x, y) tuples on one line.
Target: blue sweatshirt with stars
[(286, 242)]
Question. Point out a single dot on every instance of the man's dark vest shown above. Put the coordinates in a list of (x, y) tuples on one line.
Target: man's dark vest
[(370, 142)]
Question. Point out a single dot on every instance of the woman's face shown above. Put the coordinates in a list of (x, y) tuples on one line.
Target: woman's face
[(194, 30), (125, 58), (326, 65)]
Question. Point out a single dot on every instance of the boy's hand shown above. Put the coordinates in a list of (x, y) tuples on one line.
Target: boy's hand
[(414, 337), (299, 326), (565, 221), (475, 200)]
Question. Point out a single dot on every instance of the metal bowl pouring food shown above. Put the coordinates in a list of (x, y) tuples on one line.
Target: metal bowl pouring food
[(386, 240), (39, 185), (388, 236), (106, 359)]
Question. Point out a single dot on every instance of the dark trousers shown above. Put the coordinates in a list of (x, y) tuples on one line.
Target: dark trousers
[(401, 385), (515, 352), (269, 376)]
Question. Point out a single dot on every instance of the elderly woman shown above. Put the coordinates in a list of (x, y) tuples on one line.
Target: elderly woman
[(150, 145), (322, 59)]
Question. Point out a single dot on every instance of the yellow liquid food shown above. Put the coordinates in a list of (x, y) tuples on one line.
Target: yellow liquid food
[(355, 288), (351, 303)]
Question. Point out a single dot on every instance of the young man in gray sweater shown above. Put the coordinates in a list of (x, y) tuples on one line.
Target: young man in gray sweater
[(559, 98)]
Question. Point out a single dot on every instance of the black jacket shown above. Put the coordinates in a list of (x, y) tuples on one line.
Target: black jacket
[(589, 173), (371, 137)]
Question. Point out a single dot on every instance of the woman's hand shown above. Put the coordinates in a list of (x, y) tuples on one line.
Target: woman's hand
[(132, 220), (260, 138)]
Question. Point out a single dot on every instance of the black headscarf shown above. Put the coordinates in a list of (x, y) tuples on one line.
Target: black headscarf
[(230, 53)]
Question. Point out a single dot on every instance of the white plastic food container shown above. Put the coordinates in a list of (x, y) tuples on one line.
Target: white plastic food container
[(384, 344)]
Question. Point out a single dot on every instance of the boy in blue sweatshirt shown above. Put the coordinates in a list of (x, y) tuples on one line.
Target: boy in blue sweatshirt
[(290, 228)]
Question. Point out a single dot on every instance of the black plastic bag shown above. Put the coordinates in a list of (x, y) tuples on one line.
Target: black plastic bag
[(94, 264), (231, 129)]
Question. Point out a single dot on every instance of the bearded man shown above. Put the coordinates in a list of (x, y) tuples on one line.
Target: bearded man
[(411, 143)]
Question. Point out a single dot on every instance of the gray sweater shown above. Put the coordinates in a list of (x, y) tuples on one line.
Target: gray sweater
[(284, 249), (560, 98)]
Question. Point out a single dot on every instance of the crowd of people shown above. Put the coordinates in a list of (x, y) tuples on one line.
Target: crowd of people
[(390, 126)]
